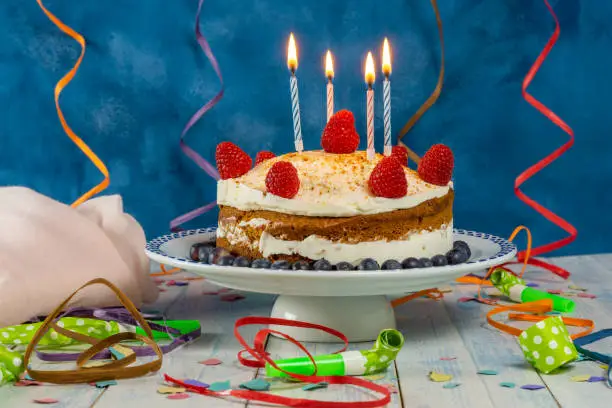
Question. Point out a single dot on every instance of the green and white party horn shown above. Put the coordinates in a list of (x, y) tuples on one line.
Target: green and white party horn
[(515, 288), (377, 359)]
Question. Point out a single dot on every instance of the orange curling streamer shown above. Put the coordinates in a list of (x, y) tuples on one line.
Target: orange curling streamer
[(534, 169), (58, 90)]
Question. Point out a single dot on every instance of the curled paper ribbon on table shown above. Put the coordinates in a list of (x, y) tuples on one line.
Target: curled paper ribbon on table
[(547, 345), (58, 90), (534, 169), (434, 95), (188, 151)]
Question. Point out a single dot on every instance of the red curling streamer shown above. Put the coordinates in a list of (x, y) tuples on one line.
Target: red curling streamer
[(260, 356), (531, 171)]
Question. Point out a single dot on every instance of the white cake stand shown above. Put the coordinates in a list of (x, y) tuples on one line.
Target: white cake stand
[(353, 302)]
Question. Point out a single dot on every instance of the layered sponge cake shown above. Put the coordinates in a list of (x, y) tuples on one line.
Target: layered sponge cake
[(335, 204)]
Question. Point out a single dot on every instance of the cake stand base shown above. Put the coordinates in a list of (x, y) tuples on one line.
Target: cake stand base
[(359, 318)]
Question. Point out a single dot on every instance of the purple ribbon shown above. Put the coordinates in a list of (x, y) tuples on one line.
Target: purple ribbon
[(188, 151)]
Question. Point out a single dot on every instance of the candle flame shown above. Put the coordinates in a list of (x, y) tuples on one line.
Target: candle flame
[(329, 65), (370, 75), (386, 58), (292, 61)]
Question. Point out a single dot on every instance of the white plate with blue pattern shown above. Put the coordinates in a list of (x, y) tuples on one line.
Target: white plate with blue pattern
[(173, 250)]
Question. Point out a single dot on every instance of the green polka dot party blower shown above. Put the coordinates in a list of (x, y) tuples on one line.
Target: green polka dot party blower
[(547, 345), (515, 288), (357, 362)]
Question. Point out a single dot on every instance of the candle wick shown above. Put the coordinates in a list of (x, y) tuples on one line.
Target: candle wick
[(370, 87)]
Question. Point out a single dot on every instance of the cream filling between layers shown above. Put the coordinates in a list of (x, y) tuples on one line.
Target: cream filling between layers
[(416, 244), (242, 197)]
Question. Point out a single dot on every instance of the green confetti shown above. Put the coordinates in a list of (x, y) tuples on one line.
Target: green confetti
[(257, 384), (487, 372), (220, 386), (507, 384), (451, 385), (317, 386)]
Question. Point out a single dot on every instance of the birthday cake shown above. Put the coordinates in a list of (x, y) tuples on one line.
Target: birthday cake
[(337, 206)]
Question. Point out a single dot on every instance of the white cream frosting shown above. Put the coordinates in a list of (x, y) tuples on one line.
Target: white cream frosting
[(416, 244), (331, 185)]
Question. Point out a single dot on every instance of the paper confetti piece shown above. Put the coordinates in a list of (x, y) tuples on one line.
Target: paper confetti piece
[(532, 387), (596, 379), (487, 372), (465, 299), (181, 283), (448, 358), (507, 384), (170, 390), (554, 291), (257, 384), (220, 386), (451, 385), (197, 383), (580, 378), (171, 282), (210, 293), (586, 295), (104, 384), (178, 396), (603, 366), (211, 362), (569, 294), (439, 377), (375, 377), (574, 287), (317, 386), (46, 401), (27, 383), (232, 297), (392, 388), (532, 284)]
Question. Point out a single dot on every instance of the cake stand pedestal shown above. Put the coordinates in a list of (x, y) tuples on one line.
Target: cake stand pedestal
[(353, 302), (360, 318)]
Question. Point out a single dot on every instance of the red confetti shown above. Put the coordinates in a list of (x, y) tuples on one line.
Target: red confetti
[(171, 283), (211, 362), (46, 401), (448, 358), (554, 291), (178, 396), (465, 299), (586, 295), (231, 297)]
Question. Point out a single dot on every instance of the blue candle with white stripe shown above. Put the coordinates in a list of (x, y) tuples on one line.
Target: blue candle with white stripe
[(292, 63), (386, 68)]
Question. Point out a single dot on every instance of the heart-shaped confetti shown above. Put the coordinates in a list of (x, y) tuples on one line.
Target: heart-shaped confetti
[(257, 384), (316, 386), (451, 385), (532, 387), (220, 386), (439, 377), (170, 390), (580, 378), (178, 396), (211, 362), (46, 401), (507, 384), (487, 372)]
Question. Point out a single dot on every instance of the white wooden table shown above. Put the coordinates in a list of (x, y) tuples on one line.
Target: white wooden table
[(432, 329)]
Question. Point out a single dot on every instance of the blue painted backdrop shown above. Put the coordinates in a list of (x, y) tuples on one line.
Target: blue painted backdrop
[(143, 77)]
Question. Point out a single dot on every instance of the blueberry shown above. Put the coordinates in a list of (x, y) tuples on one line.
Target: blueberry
[(411, 263), (391, 264), (456, 256), (225, 260), (261, 263), (242, 261), (301, 266), (193, 251), (439, 260), (322, 265), (344, 266), (426, 263), (368, 264), (281, 264), (215, 254), (203, 252), (463, 246)]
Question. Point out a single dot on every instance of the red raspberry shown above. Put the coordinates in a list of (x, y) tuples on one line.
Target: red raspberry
[(400, 153), (436, 166), (263, 156), (232, 161), (340, 135), (388, 179), (282, 180)]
